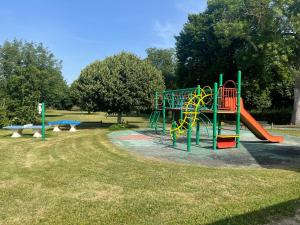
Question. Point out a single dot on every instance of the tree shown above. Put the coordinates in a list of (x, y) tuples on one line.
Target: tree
[(256, 36), (165, 61), (29, 74), (118, 84)]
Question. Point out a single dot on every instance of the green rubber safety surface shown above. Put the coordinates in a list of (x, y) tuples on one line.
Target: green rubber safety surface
[(252, 152)]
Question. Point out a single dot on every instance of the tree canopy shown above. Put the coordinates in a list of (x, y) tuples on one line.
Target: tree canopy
[(118, 84), (165, 61), (260, 37), (29, 74)]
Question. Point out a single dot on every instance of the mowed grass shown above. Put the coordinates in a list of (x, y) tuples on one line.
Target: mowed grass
[(291, 132), (81, 178)]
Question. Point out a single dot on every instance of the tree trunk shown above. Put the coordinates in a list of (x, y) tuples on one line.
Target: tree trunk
[(119, 117), (296, 112)]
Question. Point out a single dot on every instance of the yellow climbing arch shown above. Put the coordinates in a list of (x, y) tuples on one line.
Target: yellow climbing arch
[(192, 108)]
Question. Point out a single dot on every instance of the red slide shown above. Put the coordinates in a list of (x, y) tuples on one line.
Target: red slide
[(256, 128)]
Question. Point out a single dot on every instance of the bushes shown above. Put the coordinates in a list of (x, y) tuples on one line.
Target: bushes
[(282, 117), (118, 126)]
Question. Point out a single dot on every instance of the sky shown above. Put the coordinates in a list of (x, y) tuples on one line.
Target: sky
[(79, 32)]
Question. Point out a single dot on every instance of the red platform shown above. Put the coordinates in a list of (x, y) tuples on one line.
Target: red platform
[(224, 142)]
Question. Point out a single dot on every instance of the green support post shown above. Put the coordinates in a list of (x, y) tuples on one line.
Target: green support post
[(156, 101), (174, 133), (238, 108), (189, 136), (219, 119), (215, 116), (198, 121), (164, 113), (173, 100), (43, 122)]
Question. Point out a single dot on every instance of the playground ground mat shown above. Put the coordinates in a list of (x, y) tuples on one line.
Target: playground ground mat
[(252, 152)]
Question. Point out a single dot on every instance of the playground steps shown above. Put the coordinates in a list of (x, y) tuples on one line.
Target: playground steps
[(226, 141)]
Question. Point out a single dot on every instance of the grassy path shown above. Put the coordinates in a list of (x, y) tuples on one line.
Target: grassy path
[(82, 178)]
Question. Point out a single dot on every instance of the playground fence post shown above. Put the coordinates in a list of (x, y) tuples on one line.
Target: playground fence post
[(215, 115), (238, 110)]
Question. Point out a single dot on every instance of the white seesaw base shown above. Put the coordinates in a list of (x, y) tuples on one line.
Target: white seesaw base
[(16, 133)]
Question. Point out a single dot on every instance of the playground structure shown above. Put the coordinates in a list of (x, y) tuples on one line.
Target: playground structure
[(194, 104)]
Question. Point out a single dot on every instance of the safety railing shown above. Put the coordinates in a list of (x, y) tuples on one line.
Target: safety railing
[(227, 97)]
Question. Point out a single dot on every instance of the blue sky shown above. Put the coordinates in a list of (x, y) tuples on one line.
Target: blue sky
[(80, 32)]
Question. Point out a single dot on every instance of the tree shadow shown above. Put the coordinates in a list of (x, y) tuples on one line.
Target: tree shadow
[(251, 153), (101, 125), (271, 155), (263, 216), (54, 115)]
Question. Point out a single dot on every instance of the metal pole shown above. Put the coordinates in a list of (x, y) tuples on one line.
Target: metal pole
[(164, 113), (219, 116), (198, 121), (43, 121), (238, 108), (189, 136), (215, 116), (174, 133), (156, 101)]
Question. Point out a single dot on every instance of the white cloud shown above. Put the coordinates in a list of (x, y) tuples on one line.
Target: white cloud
[(165, 32), (191, 6)]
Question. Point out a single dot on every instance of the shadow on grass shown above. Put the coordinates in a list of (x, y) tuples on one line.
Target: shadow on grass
[(54, 115), (99, 125), (263, 216)]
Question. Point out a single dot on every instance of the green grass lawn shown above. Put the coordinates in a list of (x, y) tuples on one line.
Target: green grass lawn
[(291, 132), (81, 178)]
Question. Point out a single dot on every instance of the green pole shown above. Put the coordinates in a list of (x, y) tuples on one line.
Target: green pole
[(164, 113), (173, 105), (215, 116), (156, 101), (174, 133), (221, 80), (189, 136), (219, 119), (198, 121), (43, 121), (238, 108), (173, 100)]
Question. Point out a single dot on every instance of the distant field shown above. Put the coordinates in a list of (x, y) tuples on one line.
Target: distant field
[(289, 131), (81, 178)]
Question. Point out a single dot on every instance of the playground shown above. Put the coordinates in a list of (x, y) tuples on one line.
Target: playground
[(129, 177), (251, 153), (195, 138)]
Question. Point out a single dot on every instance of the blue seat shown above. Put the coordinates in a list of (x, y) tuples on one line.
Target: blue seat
[(64, 122)]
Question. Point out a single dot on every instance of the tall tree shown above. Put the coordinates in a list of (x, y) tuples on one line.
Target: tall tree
[(118, 84), (165, 61), (29, 74), (296, 112), (256, 36)]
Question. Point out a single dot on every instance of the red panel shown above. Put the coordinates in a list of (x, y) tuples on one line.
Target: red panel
[(226, 142)]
